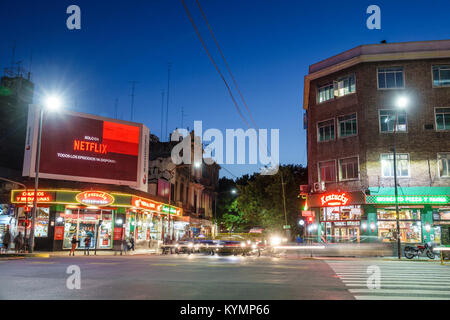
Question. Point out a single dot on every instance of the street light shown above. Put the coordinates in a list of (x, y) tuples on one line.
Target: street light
[(401, 103), (51, 103)]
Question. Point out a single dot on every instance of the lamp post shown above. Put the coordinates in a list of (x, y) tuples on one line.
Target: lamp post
[(401, 103), (51, 103)]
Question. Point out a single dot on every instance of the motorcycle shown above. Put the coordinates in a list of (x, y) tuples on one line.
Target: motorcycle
[(427, 248)]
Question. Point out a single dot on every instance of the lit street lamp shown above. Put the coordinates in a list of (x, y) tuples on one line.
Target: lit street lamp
[(401, 103), (51, 103)]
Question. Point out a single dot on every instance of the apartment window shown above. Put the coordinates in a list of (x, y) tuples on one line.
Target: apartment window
[(348, 169), (442, 118), (444, 165), (388, 120), (347, 125), (345, 86), (441, 76), (325, 93), (390, 78), (326, 130), (387, 165), (327, 171)]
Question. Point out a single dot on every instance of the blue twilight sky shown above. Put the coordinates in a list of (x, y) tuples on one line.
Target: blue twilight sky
[(269, 45)]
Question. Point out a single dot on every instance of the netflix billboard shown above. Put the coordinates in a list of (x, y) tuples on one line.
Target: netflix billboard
[(82, 147)]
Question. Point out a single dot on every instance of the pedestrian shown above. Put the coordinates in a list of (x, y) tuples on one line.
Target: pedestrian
[(74, 245), (132, 243), (6, 240), (87, 244), (125, 246), (18, 242)]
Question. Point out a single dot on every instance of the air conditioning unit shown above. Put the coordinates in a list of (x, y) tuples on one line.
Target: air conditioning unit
[(319, 186)]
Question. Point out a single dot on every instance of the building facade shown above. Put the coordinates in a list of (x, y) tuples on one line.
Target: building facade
[(193, 187), (358, 105)]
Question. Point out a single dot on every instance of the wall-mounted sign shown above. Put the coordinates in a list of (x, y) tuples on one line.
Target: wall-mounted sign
[(143, 203), (307, 213), (334, 199), (407, 199), (95, 198), (28, 197), (173, 210), (59, 233), (117, 235)]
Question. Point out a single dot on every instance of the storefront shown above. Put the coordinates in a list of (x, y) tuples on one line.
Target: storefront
[(107, 218), (422, 212), (337, 216)]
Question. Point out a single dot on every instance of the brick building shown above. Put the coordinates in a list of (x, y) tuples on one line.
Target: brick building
[(358, 104)]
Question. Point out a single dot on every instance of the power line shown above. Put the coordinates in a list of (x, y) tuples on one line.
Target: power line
[(229, 172), (213, 62), (226, 63)]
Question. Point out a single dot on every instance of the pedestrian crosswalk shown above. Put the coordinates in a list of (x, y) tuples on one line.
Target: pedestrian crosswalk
[(377, 279)]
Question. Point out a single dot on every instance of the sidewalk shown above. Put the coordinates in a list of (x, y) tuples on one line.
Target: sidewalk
[(47, 254)]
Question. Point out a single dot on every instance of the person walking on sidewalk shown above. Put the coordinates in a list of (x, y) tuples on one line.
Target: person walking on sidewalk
[(74, 245), (6, 240), (87, 244), (18, 242), (132, 243)]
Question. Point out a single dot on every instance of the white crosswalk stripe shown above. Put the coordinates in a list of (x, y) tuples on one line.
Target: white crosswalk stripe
[(399, 280)]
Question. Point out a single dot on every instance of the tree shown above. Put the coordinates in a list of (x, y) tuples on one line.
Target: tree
[(261, 198)]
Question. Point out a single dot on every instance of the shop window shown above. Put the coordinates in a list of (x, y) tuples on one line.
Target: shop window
[(325, 93), (444, 165), (387, 165), (325, 130), (327, 171), (442, 118), (96, 224), (41, 223), (347, 126), (348, 169), (391, 78), (441, 76), (391, 118), (410, 225)]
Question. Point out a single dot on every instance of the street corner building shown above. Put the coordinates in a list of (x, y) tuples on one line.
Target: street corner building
[(362, 107)]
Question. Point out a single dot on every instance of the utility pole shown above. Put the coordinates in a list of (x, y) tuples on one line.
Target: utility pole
[(168, 91), (288, 234), (133, 85), (397, 218), (162, 114)]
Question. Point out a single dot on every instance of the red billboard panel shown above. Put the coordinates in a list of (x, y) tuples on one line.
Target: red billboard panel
[(88, 148)]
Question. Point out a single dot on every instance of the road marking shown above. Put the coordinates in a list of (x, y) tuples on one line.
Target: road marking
[(165, 264), (42, 262), (398, 280)]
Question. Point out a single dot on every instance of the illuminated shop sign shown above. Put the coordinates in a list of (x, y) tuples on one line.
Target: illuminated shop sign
[(173, 210), (334, 199), (142, 203), (28, 197), (95, 198), (408, 199), (80, 145)]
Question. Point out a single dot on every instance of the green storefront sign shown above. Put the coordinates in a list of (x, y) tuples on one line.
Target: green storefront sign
[(408, 199)]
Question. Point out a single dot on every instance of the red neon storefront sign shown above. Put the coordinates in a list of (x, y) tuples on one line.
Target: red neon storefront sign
[(145, 204), (334, 199), (95, 198), (27, 197)]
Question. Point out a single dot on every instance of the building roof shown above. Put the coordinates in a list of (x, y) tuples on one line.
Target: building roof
[(434, 49)]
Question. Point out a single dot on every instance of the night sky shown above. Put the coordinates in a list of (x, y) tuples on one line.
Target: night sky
[(268, 44)]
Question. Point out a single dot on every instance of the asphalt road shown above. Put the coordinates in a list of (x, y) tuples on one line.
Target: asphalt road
[(171, 277)]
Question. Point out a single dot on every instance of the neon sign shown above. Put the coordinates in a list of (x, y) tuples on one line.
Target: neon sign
[(25, 196), (95, 198), (142, 203), (334, 199), (442, 199)]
